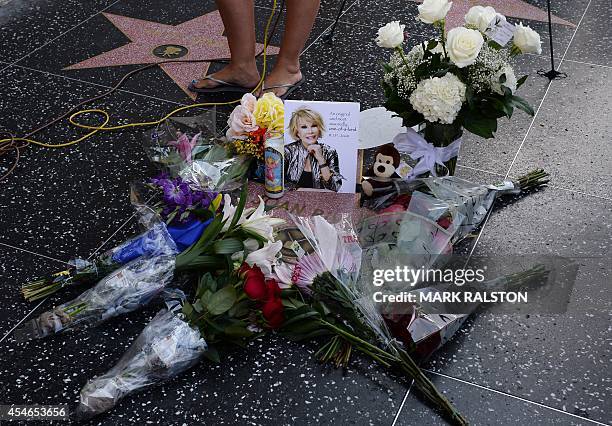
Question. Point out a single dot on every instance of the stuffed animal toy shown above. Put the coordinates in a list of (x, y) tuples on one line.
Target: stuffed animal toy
[(378, 179)]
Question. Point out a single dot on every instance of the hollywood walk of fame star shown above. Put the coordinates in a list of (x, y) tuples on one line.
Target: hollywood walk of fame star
[(511, 8), (199, 38)]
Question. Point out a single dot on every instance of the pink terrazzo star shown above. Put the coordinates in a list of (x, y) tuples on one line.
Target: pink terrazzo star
[(202, 37), (512, 8)]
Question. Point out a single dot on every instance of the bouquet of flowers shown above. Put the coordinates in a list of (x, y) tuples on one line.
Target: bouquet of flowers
[(178, 141), (462, 79), (441, 212), (228, 310), (166, 347), (156, 241), (127, 289), (253, 121), (235, 234), (185, 210), (328, 302)]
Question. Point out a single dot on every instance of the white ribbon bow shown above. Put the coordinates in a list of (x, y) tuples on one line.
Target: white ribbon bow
[(427, 154)]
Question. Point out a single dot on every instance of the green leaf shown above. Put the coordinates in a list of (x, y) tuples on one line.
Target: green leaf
[(204, 262), (522, 104), (206, 297), (206, 282), (238, 330), (198, 306), (301, 317), (228, 246), (240, 207), (302, 328), (521, 80), (212, 354), (187, 309), (240, 309), (479, 125), (222, 300), (502, 106), (469, 96), (316, 333)]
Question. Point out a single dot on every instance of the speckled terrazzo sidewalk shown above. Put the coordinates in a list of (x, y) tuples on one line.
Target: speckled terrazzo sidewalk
[(537, 369)]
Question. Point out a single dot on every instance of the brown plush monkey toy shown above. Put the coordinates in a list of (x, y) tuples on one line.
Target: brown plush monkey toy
[(378, 179)]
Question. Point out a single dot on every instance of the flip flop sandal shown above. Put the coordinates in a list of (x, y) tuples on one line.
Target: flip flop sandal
[(223, 86), (290, 88)]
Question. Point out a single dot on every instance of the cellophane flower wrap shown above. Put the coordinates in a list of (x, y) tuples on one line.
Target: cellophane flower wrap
[(335, 305), (178, 141), (440, 215), (155, 241), (125, 290), (167, 347)]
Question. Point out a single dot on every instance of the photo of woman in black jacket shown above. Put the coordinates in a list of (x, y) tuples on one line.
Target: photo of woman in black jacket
[(308, 162)]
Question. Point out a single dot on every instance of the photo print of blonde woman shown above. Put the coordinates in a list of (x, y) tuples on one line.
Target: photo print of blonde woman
[(321, 145)]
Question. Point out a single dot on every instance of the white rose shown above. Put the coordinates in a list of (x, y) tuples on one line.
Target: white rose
[(391, 35), (439, 98), (463, 46), (510, 82), (431, 11), (480, 17), (527, 40)]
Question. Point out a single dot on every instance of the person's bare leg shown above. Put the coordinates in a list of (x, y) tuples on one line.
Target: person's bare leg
[(301, 15), (239, 21)]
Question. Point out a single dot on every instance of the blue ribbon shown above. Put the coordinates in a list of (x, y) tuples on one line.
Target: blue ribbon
[(188, 233)]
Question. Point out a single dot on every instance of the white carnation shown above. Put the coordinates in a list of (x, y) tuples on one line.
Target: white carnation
[(510, 82), (439, 98)]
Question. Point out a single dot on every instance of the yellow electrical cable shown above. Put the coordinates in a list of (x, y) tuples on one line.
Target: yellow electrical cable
[(96, 129)]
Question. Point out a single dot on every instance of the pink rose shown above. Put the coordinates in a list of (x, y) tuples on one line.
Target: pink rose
[(241, 121), (249, 101)]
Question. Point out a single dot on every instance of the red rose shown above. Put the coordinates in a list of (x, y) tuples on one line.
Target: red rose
[(273, 291), (445, 222), (255, 284), (273, 312), (277, 320), (393, 208)]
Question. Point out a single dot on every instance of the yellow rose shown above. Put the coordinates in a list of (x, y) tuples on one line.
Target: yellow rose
[(268, 111)]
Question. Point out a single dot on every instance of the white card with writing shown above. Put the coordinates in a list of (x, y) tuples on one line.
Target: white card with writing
[(500, 31)]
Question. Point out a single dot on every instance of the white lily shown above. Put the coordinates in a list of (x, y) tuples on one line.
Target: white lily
[(261, 223), (265, 257), (229, 211)]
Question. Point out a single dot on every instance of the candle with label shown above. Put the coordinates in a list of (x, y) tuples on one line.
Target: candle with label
[(274, 159)]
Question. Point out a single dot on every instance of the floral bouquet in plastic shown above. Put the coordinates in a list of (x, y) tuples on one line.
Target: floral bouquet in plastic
[(178, 141), (326, 302), (166, 347), (186, 211), (233, 234), (229, 309), (127, 289)]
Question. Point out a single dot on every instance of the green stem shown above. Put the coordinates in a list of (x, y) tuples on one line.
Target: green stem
[(442, 26), (401, 52)]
